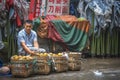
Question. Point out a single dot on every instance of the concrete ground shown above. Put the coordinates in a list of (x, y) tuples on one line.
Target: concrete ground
[(92, 69)]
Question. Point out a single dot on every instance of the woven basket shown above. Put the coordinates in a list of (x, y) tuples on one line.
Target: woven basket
[(74, 65), (60, 64), (21, 68), (74, 61), (43, 65), (61, 67), (42, 68), (76, 55)]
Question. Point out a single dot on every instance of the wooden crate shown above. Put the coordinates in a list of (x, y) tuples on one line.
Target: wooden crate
[(21, 68)]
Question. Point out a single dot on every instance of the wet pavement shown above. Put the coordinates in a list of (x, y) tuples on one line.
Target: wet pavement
[(91, 69)]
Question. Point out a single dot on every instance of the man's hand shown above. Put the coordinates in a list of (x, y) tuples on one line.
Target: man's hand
[(32, 52), (27, 49)]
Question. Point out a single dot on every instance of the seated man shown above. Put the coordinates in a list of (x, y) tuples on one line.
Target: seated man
[(27, 40)]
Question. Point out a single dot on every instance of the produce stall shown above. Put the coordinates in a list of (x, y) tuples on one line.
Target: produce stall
[(65, 30)]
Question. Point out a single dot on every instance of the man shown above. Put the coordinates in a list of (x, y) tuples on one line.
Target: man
[(27, 40)]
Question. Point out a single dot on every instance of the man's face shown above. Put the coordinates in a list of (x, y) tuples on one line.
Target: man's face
[(28, 27)]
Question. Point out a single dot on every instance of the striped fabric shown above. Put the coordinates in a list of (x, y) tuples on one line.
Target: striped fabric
[(34, 9), (67, 30)]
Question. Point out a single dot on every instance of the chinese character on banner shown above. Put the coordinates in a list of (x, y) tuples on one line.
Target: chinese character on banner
[(65, 1), (51, 1), (58, 1), (57, 7), (51, 9)]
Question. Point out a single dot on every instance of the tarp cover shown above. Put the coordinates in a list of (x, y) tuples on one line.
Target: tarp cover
[(67, 30)]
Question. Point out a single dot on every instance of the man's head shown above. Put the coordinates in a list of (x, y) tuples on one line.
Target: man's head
[(28, 26)]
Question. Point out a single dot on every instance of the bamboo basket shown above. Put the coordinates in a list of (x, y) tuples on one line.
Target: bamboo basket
[(75, 55), (21, 68), (74, 62), (43, 65), (74, 65), (59, 64)]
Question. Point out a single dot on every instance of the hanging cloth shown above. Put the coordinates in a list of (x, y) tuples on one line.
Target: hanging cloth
[(21, 8), (9, 3), (34, 10), (31, 9)]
